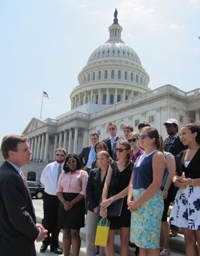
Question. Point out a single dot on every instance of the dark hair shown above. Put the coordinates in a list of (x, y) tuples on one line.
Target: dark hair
[(103, 143), (153, 133), (161, 144), (128, 147), (129, 127), (66, 167), (94, 134), (10, 142), (143, 124), (194, 128), (61, 149)]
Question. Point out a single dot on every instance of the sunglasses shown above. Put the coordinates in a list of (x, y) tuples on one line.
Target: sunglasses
[(120, 149), (59, 154), (109, 129), (133, 140), (72, 162), (142, 136)]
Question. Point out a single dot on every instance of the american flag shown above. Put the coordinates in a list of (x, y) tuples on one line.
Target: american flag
[(45, 94)]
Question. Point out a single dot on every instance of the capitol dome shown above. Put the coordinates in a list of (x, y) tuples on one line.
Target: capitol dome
[(113, 73)]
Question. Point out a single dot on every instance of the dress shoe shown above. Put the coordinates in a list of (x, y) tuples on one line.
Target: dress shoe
[(56, 250), (43, 248)]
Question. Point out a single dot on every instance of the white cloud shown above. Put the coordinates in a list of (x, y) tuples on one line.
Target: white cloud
[(82, 5), (174, 26), (195, 3)]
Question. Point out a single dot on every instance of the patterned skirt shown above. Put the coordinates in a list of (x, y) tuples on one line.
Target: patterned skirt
[(146, 220), (186, 210)]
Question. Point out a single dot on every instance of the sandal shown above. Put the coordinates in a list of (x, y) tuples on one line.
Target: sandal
[(165, 252)]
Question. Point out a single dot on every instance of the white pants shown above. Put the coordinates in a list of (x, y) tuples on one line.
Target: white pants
[(91, 226)]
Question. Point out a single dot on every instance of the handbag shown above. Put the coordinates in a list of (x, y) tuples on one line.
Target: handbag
[(113, 210), (102, 232)]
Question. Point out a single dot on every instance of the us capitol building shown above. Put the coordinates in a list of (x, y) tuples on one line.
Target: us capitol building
[(113, 86)]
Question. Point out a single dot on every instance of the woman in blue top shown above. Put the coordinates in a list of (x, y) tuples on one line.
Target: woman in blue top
[(144, 188)]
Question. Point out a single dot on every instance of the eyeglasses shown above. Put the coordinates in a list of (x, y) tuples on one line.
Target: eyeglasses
[(59, 154), (113, 128), (142, 136), (120, 149), (133, 140), (72, 162)]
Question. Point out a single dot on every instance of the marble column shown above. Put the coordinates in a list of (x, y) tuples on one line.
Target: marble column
[(46, 149), (30, 143), (115, 99), (65, 140), (42, 149), (85, 137), (38, 148), (70, 142), (131, 94), (79, 99), (84, 97), (75, 139), (107, 96), (75, 103), (91, 96), (197, 117), (99, 96), (124, 95), (60, 140), (35, 149)]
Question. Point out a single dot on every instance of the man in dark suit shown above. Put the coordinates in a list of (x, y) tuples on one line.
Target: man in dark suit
[(88, 155), (18, 229), (112, 139)]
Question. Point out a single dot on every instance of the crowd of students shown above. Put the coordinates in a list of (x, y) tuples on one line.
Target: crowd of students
[(145, 173)]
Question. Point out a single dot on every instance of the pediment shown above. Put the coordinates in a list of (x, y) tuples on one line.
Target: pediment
[(34, 124)]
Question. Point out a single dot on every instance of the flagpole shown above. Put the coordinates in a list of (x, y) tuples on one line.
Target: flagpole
[(41, 104)]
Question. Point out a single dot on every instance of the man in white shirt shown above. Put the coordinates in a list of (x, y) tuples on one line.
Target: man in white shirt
[(49, 178)]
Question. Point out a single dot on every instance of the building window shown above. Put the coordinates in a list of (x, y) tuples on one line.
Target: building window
[(151, 119), (99, 75), (137, 78), (119, 74), (123, 52), (125, 75), (97, 99), (118, 97), (131, 76), (99, 132), (113, 51), (86, 100), (111, 99), (99, 53), (119, 51), (93, 75), (108, 51), (88, 77), (103, 52), (141, 80), (84, 78), (82, 102), (104, 99), (137, 122), (181, 119), (112, 74), (126, 97), (106, 74)]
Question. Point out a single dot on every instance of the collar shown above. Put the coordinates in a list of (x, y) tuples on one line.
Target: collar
[(15, 166), (110, 138), (59, 164), (174, 137)]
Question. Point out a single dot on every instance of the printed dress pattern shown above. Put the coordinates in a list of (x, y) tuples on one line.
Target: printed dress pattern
[(146, 221), (186, 210)]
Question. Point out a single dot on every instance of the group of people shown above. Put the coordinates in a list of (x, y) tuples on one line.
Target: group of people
[(140, 172)]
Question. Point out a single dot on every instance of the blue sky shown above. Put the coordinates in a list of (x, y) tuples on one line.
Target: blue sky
[(46, 43)]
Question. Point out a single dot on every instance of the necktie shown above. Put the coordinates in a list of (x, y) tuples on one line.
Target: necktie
[(112, 143), (59, 172), (23, 177)]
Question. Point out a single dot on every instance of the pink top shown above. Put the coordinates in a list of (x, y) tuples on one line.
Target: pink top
[(73, 182)]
